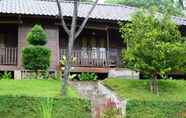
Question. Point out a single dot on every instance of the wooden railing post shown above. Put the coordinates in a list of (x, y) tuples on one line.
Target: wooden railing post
[(8, 56), (95, 58)]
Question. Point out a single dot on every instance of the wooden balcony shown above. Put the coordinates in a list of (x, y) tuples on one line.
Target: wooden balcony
[(94, 57), (8, 56)]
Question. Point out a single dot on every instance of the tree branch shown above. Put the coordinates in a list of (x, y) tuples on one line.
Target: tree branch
[(62, 18), (85, 20), (74, 17)]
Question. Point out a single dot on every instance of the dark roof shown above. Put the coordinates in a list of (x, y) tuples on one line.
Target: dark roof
[(49, 8)]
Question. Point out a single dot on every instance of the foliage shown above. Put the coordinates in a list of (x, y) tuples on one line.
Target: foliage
[(29, 107), (37, 88), (39, 75), (110, 109), (154, 46), (36, 58), (72, 76), (30, 76), (165, 6), (37, 36), (87, 76), (6, 75), (141, 102), (47, 108), (63, 61), (57, 75)]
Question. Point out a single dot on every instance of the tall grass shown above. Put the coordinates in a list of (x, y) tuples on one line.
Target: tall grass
[(47, 108)]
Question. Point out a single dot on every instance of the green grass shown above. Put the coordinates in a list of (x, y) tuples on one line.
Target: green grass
[(24, 98), (30, 107), (35, 88), (171, 90), (171, 103)]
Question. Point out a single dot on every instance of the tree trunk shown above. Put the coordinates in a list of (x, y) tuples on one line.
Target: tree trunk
[(154, 88), (67, 66), (151, 85), (72, 34)]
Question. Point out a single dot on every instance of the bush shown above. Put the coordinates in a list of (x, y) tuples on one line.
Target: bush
[(87, 76), (36, 58), (156, 109), (56, 76), (6, 75), (29, 107), (37, 36)]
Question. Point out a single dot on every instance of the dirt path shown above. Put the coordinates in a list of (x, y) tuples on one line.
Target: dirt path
[(92, 91)]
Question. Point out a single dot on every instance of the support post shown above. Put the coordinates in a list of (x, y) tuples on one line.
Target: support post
[(17, 74), (108, 47)]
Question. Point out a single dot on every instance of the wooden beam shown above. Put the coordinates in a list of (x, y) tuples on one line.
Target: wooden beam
[(9, 22), (104, 28), (90, 69)]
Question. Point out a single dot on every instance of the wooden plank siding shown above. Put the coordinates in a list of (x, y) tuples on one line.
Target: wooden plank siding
[(53, 44), (22, 42)]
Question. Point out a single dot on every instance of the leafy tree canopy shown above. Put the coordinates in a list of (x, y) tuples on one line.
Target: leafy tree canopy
[(171, 6), (154, 45)]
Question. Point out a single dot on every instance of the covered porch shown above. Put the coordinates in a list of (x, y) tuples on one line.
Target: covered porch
[(8, 45), (94, 48)]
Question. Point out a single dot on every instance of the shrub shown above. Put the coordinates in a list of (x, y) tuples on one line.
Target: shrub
[(36, 58), (6, 75), (29, 107), (37, 36), (56, 76), (87, 76)]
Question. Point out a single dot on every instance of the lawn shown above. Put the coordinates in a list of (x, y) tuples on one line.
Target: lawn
[(171, 103), (24, 98), (36, 88), (171, 90)]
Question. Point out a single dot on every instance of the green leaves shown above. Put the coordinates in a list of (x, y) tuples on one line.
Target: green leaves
[(155, 45), (37, 36), (170, 7), (87, 77), (36, 57)]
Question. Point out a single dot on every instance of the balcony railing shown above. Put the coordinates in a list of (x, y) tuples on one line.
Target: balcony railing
[(96, 57), (8, 56)]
